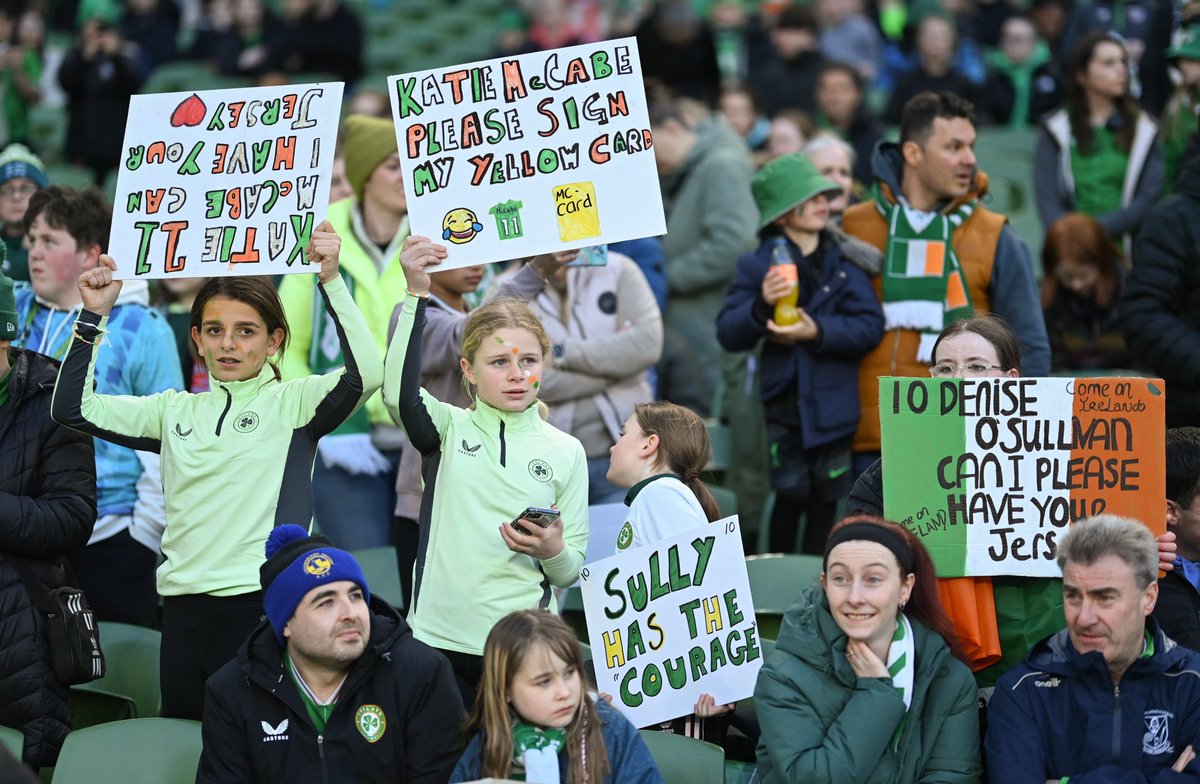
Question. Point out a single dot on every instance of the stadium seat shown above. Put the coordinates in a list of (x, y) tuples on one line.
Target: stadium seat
[(382, 572), (164, 751), (13, 740), (129, 688), (776, 582), (1006, 154), (727, 500), (683, 760), (720, 437), (571, 611)]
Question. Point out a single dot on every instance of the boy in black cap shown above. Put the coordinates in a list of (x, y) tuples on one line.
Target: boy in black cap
[(332, 687)]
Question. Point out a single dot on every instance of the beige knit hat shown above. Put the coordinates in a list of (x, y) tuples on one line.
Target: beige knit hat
[(367, 143)]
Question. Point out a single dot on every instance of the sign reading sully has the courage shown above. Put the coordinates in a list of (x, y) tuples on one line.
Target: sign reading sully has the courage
[(991, 472), (671, 621), (223, 182), (529, 154)]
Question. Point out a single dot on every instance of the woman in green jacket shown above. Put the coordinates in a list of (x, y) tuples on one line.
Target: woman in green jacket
[(863, 686)]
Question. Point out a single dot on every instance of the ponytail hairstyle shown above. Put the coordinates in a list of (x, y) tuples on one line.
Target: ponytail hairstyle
[(501, 313), (924, 601), (508, 643), (683, 446), (256, 291)]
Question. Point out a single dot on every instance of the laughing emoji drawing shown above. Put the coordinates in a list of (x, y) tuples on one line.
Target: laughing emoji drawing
[(460, 226)]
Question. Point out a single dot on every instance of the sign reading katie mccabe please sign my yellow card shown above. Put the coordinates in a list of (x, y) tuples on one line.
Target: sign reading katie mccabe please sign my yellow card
[(530, 154)]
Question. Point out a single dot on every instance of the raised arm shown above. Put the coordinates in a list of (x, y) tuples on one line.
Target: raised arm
[(341, 393), (135, 422)]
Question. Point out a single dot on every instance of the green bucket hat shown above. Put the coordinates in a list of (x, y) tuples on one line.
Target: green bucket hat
[(784, 184), (1188, 45), (8, 309)]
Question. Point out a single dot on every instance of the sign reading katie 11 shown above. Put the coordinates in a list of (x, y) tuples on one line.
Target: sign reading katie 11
[(672, 620), (223, 182), (990, 473), (531, 154)]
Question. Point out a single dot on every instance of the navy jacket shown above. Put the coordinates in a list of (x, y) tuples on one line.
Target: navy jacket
[(1057, 714), (824, 372)]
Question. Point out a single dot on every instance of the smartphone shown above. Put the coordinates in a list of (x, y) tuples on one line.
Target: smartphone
[(543, 518), (591, 256)]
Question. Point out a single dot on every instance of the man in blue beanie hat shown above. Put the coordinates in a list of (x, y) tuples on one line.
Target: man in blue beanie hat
[(332, 686)]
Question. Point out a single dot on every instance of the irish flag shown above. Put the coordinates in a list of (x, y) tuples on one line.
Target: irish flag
[(991, 472)]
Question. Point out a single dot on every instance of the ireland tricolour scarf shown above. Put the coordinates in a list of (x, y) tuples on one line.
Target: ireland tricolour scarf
[(923, 284)]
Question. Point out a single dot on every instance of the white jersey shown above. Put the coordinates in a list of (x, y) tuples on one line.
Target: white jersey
[(659, 507)]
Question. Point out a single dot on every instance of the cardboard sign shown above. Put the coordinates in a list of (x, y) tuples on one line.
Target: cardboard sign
[(672, 620), (991, 472), (223, 182), (529, 154)]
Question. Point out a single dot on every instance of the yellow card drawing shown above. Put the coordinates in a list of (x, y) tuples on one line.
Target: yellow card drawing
[(578, 215)]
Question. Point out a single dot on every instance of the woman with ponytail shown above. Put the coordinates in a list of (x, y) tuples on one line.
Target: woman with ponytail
[(865, 684)]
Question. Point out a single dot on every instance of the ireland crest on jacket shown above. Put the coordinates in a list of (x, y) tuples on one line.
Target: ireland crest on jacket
[(1157, 739)]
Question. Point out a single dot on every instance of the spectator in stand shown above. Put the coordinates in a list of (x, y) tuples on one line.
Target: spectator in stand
[(810, 363), (1145, 26), (353, 484), (369, 102), (1110, 697), (1180, 118), (676, 48), (1084, 271), (21, 64), (1099, 154), (834, 160), (98, 78), (1160, 309), (741, 108), (606, 333), (866, 684), (237, 38), (47, 508), (551, 26), (66, 232), (1178, 607), (1022, 82), (841, 109), (848, 36), (150, 27), (933, 71), (705, 174), (930, 189), (786, 76), (1050, 19), (321, 36), (21, 175), (790, 131)]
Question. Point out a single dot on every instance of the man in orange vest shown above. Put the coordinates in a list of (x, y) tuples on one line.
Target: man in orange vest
[(946, 256)]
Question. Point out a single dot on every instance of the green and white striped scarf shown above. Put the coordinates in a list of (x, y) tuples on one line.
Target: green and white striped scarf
[(325, 354), (535, 750), (901, 665), (923, 284)]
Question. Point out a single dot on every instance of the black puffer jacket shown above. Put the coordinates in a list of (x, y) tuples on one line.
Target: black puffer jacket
[(1160, 308), (47, 507)]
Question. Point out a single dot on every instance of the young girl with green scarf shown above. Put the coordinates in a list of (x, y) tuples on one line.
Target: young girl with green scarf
[(532, 719)]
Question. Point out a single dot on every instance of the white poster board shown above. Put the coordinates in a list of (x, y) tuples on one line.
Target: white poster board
[(672, 620), (529, 154), (223, 182)]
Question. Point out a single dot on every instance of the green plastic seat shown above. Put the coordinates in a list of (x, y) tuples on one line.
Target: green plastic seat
[(382, 573), (571, 610), (13, 740), (130, 687), (727, 500), (776, 582), (722, 445), (683, 760), (164, 751)]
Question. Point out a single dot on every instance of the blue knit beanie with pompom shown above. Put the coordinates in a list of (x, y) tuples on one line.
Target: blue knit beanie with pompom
[(296, 564)]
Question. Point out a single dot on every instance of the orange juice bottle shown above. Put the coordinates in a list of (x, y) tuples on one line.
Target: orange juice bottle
[(786, 313)]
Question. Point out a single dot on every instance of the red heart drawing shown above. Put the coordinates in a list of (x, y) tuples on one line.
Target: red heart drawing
[(190, 112)]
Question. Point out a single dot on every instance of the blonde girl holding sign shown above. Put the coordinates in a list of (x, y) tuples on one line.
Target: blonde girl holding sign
[(236, 460), (484, 466)]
